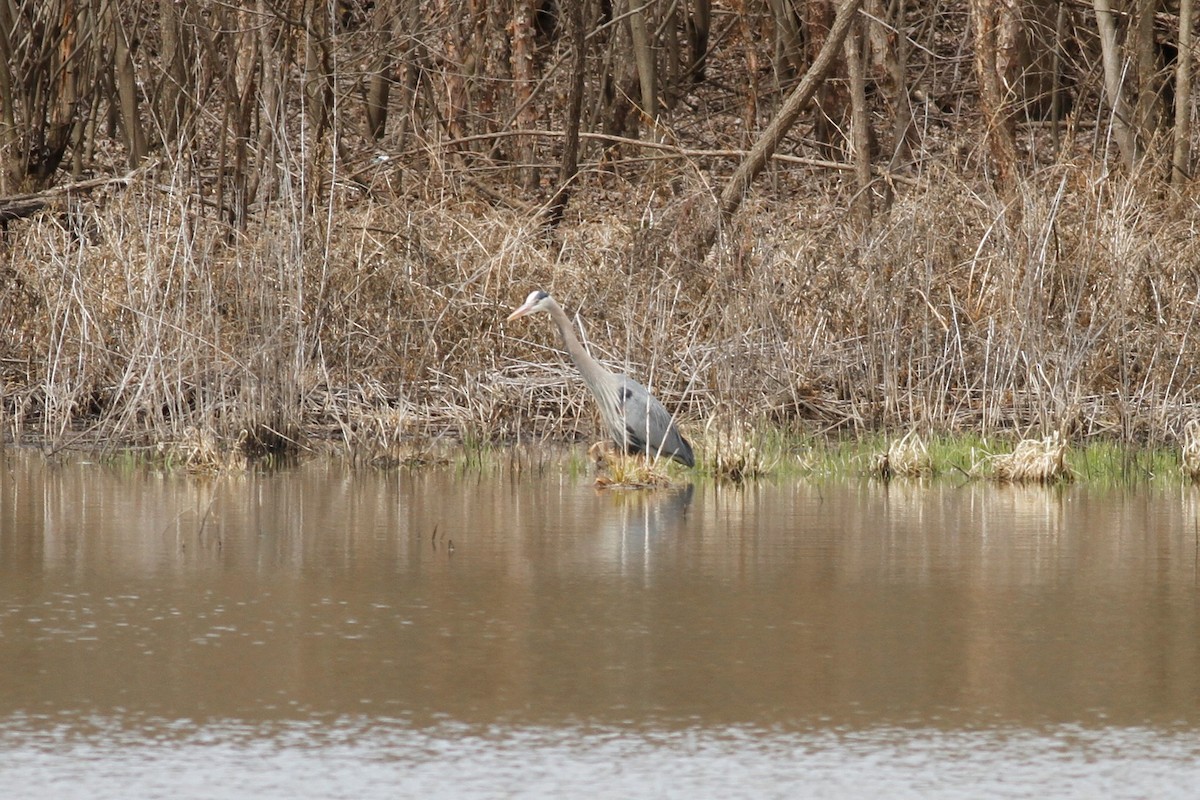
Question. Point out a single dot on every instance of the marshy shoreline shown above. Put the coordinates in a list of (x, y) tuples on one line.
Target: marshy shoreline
[(273, 277), (753, 455), (138, 325)]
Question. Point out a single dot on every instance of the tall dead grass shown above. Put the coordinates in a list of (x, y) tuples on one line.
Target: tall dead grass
[(378, 320), (1034, 461)]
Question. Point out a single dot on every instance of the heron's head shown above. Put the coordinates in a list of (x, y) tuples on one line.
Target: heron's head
[(537, 301)]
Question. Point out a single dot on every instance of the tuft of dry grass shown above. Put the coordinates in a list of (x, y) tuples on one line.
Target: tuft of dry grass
[(1190, 457), (387, 438), (905, 457), (616, 470), (1033, 461), (199, 451), (732, 451)]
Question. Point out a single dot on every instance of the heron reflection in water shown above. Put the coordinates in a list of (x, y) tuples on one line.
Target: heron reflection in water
[(637, 422)]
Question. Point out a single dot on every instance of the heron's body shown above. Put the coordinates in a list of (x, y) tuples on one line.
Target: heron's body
[(637, 422)]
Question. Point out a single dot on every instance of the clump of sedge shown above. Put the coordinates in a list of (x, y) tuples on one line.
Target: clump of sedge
[(905, 457), (1034, 461), (1190, 458)]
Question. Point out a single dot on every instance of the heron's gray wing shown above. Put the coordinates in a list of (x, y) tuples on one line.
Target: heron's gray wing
[(632, 403), (648, 427)]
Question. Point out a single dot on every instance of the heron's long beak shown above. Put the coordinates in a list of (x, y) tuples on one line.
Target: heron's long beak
[(520, 312)]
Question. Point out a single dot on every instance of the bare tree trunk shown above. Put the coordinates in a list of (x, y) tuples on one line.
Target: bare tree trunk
[(127, 92), (889, 53), (67, 95), (248, 67), (789, 48), (860, 134), (830, 103), (1056, 103), (12, 169), (316, 70), (455, 78), (669, 33), (379, 85), (1147, 112), (523, 82), (698, 25), (1114, 83), (492, 68), (235, 36), (750, 47), (993, 22), (413, 59), (570, 158), (739, 183), (275, 55), (1181, 155), (614, 112), (643, 55), (318, 86), (175, 79), (42, 53)]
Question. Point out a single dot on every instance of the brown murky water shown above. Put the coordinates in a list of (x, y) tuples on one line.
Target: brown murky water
[(324, 633)]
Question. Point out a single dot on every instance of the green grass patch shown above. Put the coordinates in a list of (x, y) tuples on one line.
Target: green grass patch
[(1116, 464), (750, 454), (967, 457)]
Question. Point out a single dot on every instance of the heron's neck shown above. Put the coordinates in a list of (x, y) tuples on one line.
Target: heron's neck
[(589, 367)]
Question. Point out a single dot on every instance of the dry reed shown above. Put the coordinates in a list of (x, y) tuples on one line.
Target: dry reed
[(732, 452), (1033, 461), (1190, 457), (616, 470), (155, 324), (198, 451), (360, 298), (133, 321), (906, 457)]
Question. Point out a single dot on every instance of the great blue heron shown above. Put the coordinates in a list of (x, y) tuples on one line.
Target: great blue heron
[(636, 420)]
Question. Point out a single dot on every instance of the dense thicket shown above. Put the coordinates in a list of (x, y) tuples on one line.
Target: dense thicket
[(229, 219)]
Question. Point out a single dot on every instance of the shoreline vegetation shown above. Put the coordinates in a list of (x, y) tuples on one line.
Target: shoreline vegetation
[(763, 455), (256, 268)]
